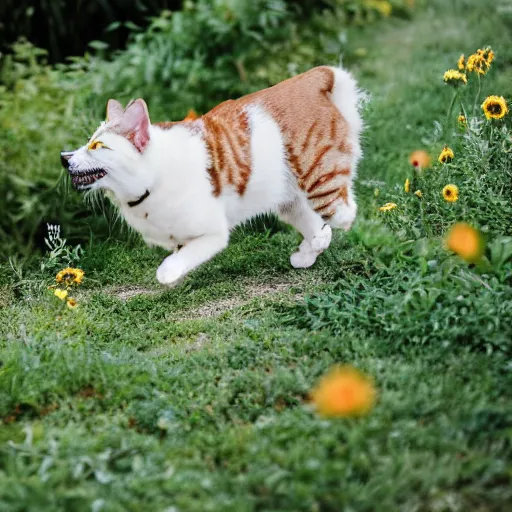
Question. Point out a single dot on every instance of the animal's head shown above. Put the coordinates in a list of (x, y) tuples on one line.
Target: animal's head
[(113, 158)]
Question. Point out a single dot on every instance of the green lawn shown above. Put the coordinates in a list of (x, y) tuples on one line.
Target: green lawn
[(196, 398)]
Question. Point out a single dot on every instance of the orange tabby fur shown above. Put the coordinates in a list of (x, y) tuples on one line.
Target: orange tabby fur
[(313, 130)]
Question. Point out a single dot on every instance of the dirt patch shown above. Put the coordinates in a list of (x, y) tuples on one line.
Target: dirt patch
[(220, 306), (214, 308), (129, 292)]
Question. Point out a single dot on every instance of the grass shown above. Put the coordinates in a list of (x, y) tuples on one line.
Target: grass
[(155, 403)]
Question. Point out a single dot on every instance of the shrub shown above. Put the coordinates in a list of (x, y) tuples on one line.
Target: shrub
[(38, 118)]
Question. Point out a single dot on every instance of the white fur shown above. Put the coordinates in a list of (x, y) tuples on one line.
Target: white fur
[(269, 183), (347, 97), (181, 209)]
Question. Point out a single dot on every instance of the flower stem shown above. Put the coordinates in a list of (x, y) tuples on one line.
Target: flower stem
[(477, 93), (450, 109)]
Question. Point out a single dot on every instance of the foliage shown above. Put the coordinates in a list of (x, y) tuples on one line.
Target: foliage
[(70, 25), (60, 254), (212, 50), (39, 116), (413, 295)]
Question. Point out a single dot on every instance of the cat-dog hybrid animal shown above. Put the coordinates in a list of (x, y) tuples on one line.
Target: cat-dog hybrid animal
[(291, 149)]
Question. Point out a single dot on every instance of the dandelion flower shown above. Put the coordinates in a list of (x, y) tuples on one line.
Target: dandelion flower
[(461, 63), (418, 193), (192, 114), (495, 107), (465, 241), (455, 78), (343, 391), (387, 207), (489, 57), (419, 159), (407, 185), (70, 276), (72, 303), (476, 64), (462, 120), (451, 193), (446, 155), (61, 294), (480, 62)]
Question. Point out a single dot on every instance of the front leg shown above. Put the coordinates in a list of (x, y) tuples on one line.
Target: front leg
[(190, 256)]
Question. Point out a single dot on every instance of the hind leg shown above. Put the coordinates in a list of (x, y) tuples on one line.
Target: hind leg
[(317, 234), (344, 214)]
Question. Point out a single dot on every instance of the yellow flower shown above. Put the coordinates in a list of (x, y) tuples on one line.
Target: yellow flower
[(70, 276), (475, 63), (461, 63), (407, 185), (465, 241), (61, 294), (343, 391), (418, 193), (490, 57), (451, 193), (387, 207), (462, 120), (72, 303), (446, 155), (495, 107), (419, 159), (455, 78), (480, 62)]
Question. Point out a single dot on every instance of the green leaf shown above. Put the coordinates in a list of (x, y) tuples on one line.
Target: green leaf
[(98, 45)]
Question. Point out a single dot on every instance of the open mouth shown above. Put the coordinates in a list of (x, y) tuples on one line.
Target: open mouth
[(83, 179)]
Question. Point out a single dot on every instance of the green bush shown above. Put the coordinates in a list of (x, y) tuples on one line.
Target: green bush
[(70, 25), (422, 301), (38, 118)]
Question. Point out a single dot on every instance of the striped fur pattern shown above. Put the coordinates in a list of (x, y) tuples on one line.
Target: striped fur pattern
[(315, 133), (291, 149)]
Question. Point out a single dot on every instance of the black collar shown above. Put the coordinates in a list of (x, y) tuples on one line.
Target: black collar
[(131, 204)]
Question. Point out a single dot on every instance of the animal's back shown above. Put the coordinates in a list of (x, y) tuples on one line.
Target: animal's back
[(317, 138)]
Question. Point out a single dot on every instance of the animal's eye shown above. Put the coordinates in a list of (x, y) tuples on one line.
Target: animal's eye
[(96, 144)]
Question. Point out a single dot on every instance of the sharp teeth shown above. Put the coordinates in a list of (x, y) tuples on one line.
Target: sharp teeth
[(87, 177)]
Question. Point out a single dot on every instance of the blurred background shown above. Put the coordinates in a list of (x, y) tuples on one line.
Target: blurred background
[(62, 59)]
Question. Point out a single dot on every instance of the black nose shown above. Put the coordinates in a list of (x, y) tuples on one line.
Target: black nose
[(65, 156)]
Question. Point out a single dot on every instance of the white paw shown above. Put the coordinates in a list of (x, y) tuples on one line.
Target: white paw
[(322, 241), (170, 272), (303, 259)]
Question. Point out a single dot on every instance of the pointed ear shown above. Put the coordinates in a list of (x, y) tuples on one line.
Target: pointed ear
[(114, 110), (134, 124)]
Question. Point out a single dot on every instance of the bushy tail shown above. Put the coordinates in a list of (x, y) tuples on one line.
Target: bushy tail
[(348, 99)]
